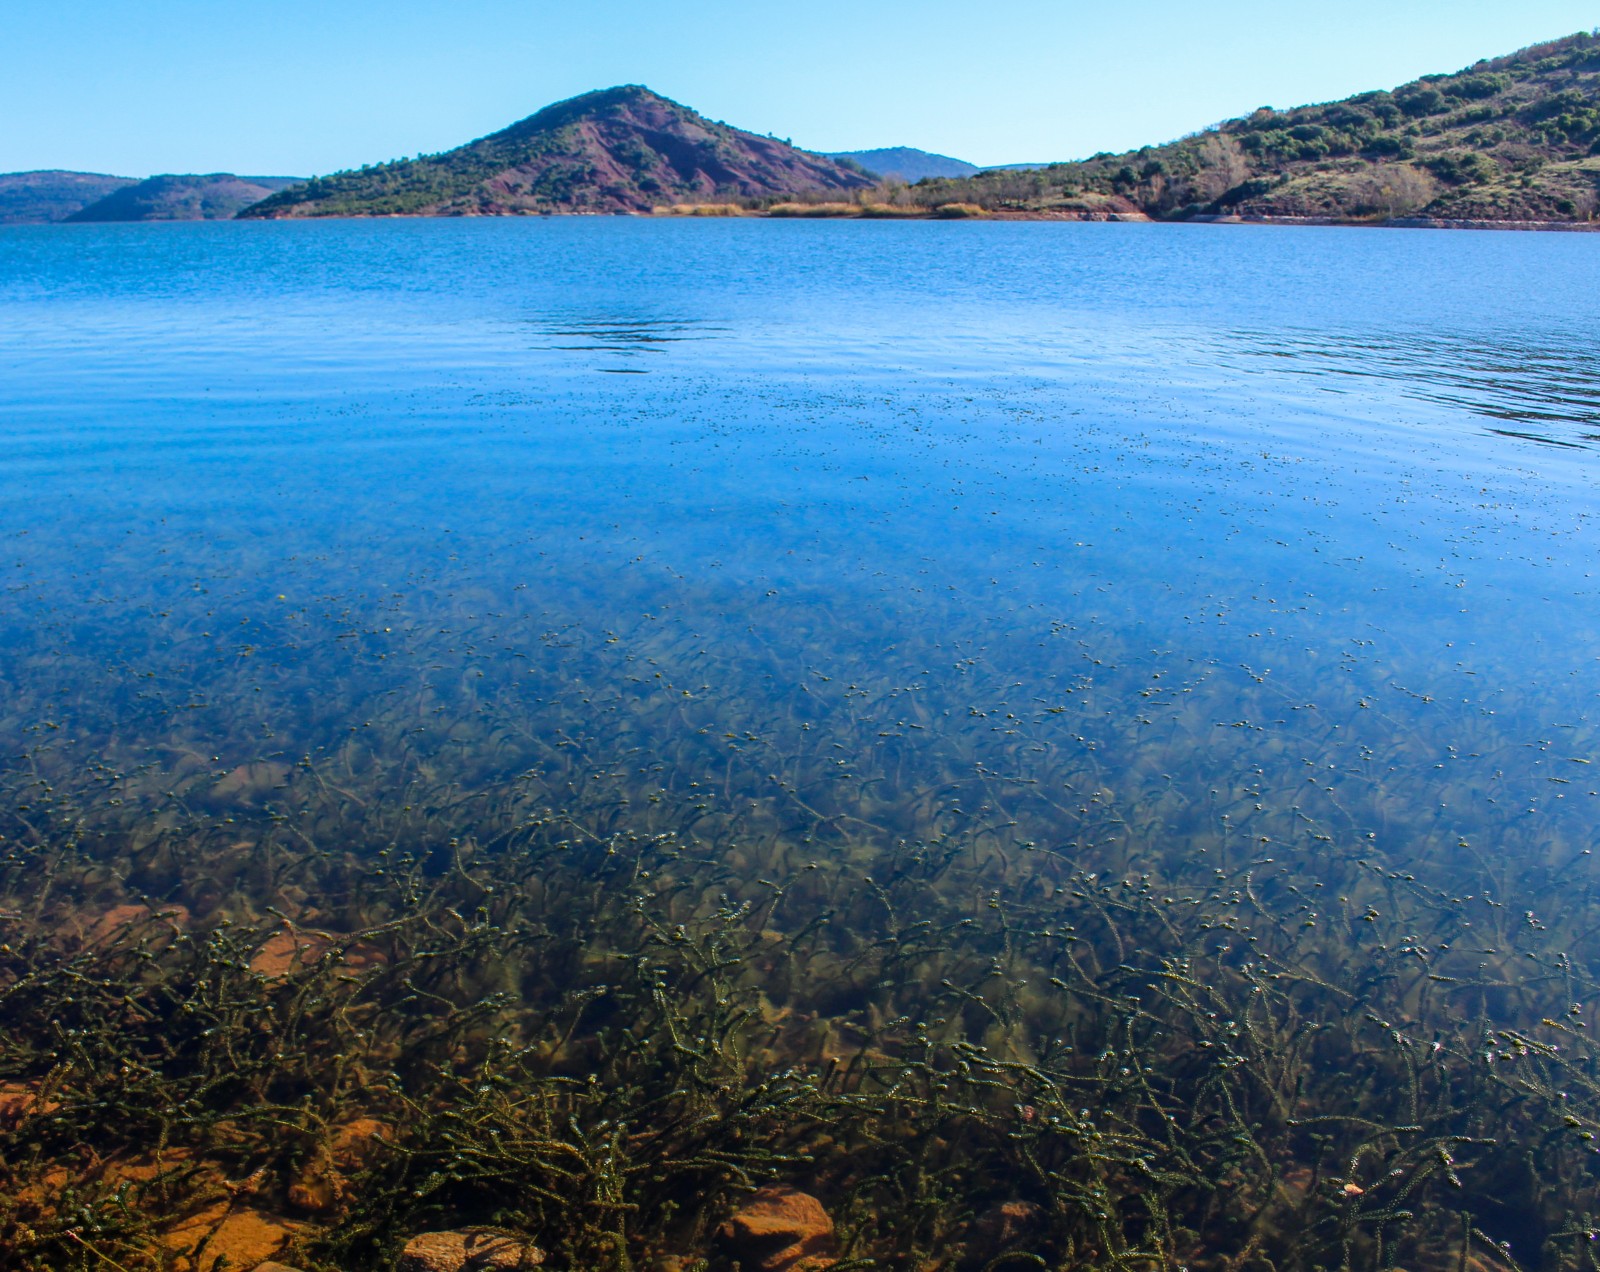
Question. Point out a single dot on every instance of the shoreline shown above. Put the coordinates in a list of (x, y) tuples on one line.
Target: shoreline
[(719, 212), (1401, 223), (1140, 218)]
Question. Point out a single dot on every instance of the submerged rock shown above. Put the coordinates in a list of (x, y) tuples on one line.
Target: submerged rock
[(324, 1183), (358, 1141), (782, 1230), (120, 923), (1009, 1224), (286, 952), (316, 1191), (468, 1250), (250, 783), (243, 1236), (20, 1101)]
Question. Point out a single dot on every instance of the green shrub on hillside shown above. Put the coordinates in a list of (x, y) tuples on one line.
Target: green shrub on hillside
[(1535, 114)]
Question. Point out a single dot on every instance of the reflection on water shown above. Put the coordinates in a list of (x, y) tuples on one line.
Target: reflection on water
[(627, 337), (1000, 755), (1549, 388)]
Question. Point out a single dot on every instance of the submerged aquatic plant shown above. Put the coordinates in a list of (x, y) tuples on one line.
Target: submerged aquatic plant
[(606, 1041)]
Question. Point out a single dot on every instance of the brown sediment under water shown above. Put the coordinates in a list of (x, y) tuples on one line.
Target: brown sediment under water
[(1055, 746)]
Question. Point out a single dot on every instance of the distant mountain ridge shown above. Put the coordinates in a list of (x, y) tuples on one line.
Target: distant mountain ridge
[(53, 194), (906, 163), (1511, 140), (216, 196), (620, 149)]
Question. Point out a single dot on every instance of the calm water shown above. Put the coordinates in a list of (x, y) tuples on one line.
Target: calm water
[(868, 529), (1149, 551)]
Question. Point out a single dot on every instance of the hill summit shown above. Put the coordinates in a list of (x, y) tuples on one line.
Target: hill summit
[(617, 150)]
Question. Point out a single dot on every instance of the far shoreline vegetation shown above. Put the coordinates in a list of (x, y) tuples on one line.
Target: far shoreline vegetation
[(1512, 142), (1508, 143), (884, 209)]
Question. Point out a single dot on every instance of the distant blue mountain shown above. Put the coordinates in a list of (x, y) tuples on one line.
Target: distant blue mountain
[(214, 196), (52, 195), (903, 163)]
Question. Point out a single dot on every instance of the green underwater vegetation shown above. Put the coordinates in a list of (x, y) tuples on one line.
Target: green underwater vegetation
[(556, 985)]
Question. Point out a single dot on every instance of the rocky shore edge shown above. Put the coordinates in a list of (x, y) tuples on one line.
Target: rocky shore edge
[(964, 211), (1400, 223)]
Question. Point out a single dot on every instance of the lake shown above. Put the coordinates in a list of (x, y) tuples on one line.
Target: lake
[(1072, 744)]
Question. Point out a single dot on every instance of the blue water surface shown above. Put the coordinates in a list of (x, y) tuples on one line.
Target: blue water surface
[(1113, 538)]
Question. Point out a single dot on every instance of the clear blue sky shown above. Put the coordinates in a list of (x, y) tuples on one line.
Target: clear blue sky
[(297, 87)]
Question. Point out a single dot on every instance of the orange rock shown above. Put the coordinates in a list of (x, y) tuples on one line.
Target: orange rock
[(244, 1237), (1010, 1223), (121, 921), (363, 955), (354, 1143), (1296, 1183), (286, 952), (468, 1250), (782, 1229), (316, 1192), (20, 1101), (251, 783), (324, 1185), (141, 1170)]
